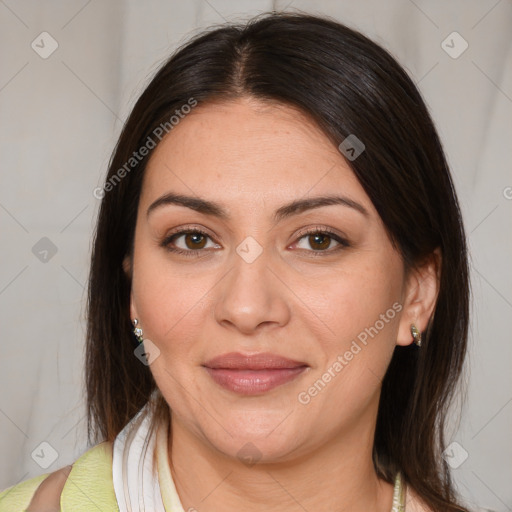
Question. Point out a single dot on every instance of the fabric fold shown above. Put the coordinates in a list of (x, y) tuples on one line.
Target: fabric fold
[(134, 472)]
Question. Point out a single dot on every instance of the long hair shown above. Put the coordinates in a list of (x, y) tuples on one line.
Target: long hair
[(347, 85)]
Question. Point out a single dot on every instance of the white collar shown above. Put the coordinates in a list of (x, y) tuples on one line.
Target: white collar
[(134, 471)]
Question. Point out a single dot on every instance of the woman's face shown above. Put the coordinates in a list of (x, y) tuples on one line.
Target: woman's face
[(319, 285)]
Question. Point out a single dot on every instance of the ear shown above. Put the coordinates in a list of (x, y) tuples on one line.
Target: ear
[(133, 309), (421, 291), (127, 268)]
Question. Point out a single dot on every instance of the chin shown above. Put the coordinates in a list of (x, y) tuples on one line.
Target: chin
[(263, 441), (250, 450)]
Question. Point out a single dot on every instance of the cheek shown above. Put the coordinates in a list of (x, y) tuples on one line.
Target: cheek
[(363, 315), (360, 313), (361, 296), (169, 301)]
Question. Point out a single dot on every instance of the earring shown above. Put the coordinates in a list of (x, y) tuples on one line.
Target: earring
[(138, 331), (416, 334)]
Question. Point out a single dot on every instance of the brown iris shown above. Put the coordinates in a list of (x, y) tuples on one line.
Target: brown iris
[(319, 241), (198, 241)]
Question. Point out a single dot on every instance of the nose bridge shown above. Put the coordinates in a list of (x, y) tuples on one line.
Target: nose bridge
[(251, 295), (250, 269)]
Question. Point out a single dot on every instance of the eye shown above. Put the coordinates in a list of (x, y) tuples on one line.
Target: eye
[(188, 242), (321, 240), (193, 241)]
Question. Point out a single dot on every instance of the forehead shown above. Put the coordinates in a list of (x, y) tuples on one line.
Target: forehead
[(250, 149)]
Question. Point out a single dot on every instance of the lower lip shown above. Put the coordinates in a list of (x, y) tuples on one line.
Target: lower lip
[(253, 382)]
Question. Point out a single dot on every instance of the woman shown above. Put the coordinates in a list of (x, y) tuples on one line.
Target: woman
[(278, 295)]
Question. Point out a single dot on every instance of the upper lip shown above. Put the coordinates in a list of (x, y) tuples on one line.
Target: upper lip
[(261, 361)]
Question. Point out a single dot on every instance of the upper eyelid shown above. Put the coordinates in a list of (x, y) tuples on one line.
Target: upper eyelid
[(320, 229), (188, 229), (302, 232)]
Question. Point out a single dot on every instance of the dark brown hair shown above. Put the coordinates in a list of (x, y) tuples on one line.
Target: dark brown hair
[(347, 85)]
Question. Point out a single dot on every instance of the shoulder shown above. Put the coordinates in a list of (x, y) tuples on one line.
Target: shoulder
[(90, 473), (48, 493), (90, 482)]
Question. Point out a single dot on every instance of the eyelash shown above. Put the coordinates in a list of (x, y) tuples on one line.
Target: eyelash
[(343, 243)]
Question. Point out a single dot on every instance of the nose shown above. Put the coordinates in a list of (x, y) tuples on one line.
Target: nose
[(251, 297)]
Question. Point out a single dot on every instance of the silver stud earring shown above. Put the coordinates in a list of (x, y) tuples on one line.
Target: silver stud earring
[(138, 331), (416, 334)]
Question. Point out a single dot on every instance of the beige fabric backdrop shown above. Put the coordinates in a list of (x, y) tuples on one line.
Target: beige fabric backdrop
[(60, 115)]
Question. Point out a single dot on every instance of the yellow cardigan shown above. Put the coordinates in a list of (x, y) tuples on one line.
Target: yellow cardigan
[(89, 485)]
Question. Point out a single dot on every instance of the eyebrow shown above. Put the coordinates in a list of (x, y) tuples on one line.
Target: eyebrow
[(216, 210)]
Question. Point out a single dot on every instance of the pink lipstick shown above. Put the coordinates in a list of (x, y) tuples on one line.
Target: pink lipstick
[(253, 374)]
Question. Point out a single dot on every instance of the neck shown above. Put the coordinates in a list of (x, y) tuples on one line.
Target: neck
[(337, 476)]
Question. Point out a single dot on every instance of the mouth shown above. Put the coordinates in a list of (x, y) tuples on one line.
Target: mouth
[(253, 374)]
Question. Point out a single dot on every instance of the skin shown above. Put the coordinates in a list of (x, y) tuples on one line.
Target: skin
[(47, 496), (252, 158)]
